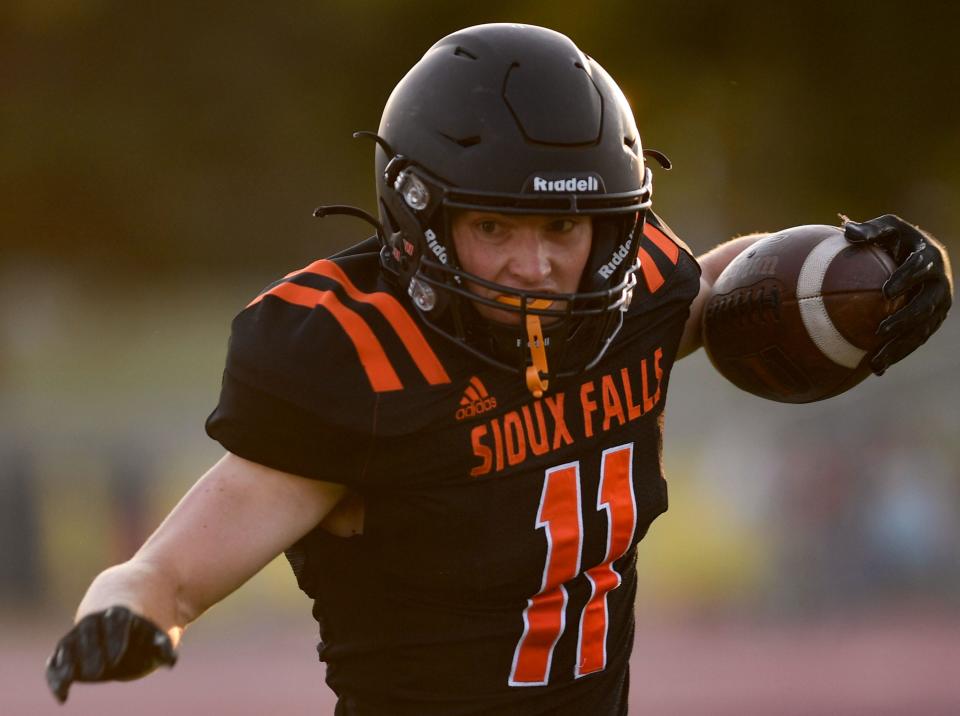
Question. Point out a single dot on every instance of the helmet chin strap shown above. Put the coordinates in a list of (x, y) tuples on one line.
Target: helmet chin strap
[(536, 383)]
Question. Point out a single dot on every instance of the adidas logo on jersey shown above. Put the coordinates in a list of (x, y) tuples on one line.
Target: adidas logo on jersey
[(475, 400)]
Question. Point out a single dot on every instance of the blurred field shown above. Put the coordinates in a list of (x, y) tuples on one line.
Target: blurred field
[(878, 664)]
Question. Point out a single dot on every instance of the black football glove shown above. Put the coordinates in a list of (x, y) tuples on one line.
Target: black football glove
[(922, 274), (115, 644)]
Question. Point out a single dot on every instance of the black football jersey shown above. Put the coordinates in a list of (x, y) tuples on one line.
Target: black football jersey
[(496, 571)]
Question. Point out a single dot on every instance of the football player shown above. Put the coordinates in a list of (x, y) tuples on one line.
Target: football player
[(453, 429)]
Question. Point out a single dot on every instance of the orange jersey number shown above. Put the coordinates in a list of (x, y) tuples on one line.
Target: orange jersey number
[(559, 516)]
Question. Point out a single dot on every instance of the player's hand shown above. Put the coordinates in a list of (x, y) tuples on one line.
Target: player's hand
[(114, 644), (922, 275)]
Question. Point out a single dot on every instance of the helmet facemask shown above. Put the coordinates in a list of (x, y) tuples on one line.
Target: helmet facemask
[(557, 335)]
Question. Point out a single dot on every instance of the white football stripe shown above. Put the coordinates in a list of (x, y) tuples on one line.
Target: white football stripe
[(813, 312)]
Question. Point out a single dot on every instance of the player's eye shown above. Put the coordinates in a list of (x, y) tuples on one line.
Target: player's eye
[(488, 226), (561, 226)]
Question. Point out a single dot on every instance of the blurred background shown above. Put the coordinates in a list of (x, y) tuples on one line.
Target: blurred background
[(159, 163)]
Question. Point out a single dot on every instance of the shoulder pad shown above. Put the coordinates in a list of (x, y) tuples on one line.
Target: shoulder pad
[(668, 269), (333, 331)]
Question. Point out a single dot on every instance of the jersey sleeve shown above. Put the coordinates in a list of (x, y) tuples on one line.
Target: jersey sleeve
[(669, 275), (293, 396)]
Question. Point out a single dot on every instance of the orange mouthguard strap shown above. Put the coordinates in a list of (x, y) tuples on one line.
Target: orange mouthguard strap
[(536, 383)]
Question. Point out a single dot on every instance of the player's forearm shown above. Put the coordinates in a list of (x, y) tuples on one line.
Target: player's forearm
[(228, 526), (146, 589), (716, 260), (712, 265)]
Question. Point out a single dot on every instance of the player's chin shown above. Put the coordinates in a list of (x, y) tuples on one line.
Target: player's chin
[(498, 316), (513, 317)]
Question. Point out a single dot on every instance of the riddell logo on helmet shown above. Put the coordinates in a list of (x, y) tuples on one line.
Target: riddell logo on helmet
[(475, 400), (435, 246), (566, 184), (618, 256)]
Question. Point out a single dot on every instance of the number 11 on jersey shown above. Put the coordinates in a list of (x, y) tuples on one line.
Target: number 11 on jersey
[(560, 516)]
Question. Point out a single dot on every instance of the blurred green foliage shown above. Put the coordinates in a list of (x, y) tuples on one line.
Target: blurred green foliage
[(160, 136)]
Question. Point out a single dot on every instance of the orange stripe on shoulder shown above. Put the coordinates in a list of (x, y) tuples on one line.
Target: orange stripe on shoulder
[(373, 358), (662, 242), (408, 332), (651, 274)]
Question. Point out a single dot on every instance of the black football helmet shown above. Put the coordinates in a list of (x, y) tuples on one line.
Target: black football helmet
[(512, 119)]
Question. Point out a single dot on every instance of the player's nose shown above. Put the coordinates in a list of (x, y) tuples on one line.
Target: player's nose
[(530, 261)]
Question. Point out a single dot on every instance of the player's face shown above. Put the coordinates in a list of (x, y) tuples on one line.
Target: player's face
[(526, 251)]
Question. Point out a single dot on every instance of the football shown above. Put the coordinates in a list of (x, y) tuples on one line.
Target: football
[(794, 317)]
